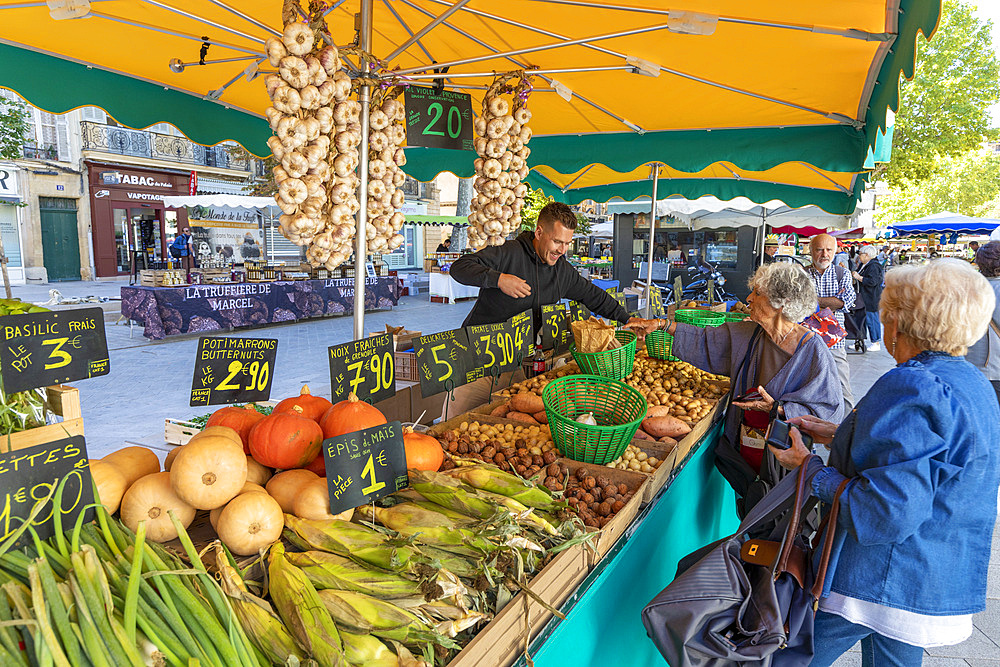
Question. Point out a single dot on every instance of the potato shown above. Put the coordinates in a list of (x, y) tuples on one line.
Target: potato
[(527, 403), (500, 410), (541, 417), (521, 417), (667, 425)]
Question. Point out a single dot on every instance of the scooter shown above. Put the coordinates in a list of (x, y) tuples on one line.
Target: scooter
[(697, 289)]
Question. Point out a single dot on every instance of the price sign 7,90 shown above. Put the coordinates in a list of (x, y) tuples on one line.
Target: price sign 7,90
[(233, 370), (443, 360), (493, 345), (365, 368)]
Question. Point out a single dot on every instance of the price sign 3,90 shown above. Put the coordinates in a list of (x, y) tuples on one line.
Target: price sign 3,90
[(494, 347), (365, 368)]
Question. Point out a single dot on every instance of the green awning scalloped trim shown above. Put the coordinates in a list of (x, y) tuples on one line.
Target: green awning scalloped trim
[(57, 86)]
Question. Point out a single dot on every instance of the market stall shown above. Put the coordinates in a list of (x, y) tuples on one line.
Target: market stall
[(446, 289), (169, 311)]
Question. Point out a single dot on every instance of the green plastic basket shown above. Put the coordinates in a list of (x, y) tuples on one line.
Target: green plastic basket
[(699, 318), (614, 364), (617, 408), (735, 317), (659, 345)]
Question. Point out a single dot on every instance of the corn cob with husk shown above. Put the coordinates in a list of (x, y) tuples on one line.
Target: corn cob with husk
[(488, 478), (367, 546), (303, 611), (263, 626), (332, 571), (450, 493), (363, 614), (428, 527), (407, 659), (367, 651), (447, 619)]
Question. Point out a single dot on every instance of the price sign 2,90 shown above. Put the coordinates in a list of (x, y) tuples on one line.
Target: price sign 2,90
[(231, 370), (365, 368)]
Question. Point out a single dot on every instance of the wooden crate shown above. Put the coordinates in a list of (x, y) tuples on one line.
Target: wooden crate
[(63, 401), (501, 641), (180, 431)]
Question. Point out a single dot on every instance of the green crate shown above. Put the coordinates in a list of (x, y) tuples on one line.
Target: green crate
[(735, 317), (617, 408), (659, 345), (699, 318), (614, 364)]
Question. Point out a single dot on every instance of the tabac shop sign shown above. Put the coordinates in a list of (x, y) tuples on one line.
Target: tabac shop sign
[(118, 178)]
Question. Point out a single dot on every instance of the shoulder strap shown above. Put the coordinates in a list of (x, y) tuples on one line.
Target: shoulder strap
[(993, 325)]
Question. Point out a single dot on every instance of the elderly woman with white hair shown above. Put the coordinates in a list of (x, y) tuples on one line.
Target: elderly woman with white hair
[(871, 275), (920, 467), (779, 368)]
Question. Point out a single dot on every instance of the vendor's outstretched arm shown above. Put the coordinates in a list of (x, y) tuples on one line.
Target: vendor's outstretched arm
[(480, 269), (594, 298)]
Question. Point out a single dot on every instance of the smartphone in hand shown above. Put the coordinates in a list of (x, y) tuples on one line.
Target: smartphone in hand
[(779, 435), (752, 395)]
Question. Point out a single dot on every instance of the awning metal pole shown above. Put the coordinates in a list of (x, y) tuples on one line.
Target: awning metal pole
[(652, 242), (360, 242)]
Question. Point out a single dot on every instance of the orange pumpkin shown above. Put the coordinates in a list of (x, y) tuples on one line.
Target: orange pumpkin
[(313, 407), (240, 420), (348, 416), (318, 465), (423, 452), (286, 440)]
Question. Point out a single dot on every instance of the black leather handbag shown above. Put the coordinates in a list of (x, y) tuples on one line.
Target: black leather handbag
[(743, 600)]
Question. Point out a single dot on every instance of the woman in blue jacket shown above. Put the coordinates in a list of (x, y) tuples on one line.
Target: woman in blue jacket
[(920, 455)]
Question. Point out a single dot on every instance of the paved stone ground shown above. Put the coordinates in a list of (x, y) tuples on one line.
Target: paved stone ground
[(150, 381)]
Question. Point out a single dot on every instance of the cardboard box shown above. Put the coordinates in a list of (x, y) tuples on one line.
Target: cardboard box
[(430, 407), (397, 407), (504, 639), (402, 340)]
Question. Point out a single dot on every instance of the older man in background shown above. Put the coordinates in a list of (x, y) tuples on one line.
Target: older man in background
[(835, 290)]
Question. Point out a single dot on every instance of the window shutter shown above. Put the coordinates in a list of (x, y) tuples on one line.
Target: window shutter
[(94, 114), (62, 138)]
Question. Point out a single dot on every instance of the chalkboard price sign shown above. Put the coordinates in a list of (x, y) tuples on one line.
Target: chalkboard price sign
[(438, 119), (28, 475), (364, 466), (556, 333), (42, 349), (656, 302), (523, 324), (577, 311), (365, 368), (443, 360), (233, 370), (493, 345)]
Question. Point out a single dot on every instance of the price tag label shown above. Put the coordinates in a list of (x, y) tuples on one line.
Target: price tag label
[(656, 302), (438, 120), (28, 475), (493, 346), (556, 333), (678, 291), (578, 311), (233, 370), (523, 324), (364, 466), (365, 368), (42, 349), (442, 361)]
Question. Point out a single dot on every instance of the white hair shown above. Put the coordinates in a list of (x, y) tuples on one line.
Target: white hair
[(943, 306), (788, 288), (869, 250)]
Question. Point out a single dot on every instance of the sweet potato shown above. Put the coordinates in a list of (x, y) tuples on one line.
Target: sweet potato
[(541, 417), (521, 417), (500, 410), (642, 435), (665, 426), (658, 411), (668, 440), (527, 403)]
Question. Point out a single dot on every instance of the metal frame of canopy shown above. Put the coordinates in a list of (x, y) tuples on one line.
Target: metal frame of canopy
[(891, 54)]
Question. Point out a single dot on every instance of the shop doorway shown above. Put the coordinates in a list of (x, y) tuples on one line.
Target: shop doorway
[(138, 232), (60, 239)]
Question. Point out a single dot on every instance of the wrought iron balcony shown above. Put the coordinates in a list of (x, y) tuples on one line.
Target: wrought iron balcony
[(46, 152), (143, 143)]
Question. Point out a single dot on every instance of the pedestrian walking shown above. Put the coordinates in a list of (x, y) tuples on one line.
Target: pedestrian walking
[(871, 275)]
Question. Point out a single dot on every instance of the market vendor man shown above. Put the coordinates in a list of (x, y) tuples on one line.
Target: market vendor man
[(525, 273)]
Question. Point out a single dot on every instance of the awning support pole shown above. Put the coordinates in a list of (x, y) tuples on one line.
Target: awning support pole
[(360, 242), (652, 242)]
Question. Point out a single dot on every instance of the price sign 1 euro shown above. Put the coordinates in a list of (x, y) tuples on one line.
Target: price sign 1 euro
[(233, 370), (42, 349), (364, 466), (365, 368), (493, 345), (29, 475), (442, 361)]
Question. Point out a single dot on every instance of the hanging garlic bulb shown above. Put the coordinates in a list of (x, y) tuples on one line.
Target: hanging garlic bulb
[(385, 157)]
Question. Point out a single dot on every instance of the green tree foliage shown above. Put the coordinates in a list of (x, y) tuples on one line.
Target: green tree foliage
[(535, 201), (968, 184), (945, 110), (13, 128)]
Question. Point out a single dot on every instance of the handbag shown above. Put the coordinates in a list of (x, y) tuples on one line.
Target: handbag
[(742, 600), (825, 325)]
